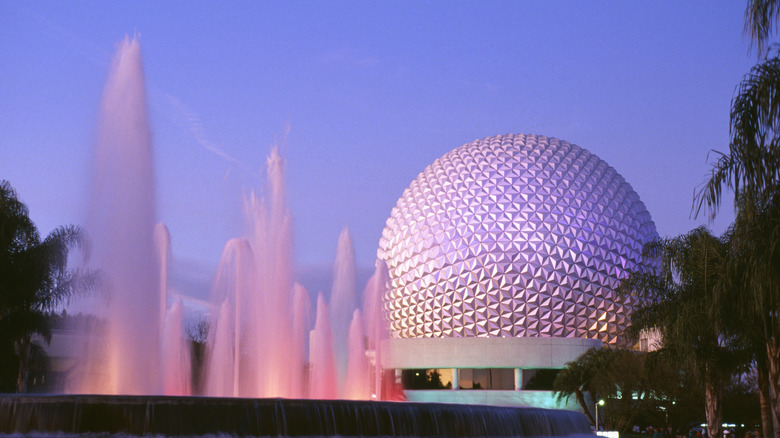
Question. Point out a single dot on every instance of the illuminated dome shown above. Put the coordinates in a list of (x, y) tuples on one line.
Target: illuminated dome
[(514, 236)]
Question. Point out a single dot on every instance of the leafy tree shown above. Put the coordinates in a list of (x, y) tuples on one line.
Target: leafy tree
[(35, 277), (616, 376), (752, 165), (760, 16), (751, 168), (754, 295), (423, 379), (675, 393), (740, 402), (197, 334), (685, 305), (577, 379)]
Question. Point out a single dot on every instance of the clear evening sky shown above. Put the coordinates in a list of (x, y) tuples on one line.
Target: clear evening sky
[(371, 93)]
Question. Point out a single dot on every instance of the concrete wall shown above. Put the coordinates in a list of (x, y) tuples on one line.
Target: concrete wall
[(483, 352), (537, 399)]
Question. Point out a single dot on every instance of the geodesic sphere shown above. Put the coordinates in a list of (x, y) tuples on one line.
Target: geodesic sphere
[(514, 235)]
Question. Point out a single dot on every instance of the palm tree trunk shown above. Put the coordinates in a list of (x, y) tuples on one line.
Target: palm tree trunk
[(767, 421), (24, 360), (773, 366), (712, 403), (581, 400)]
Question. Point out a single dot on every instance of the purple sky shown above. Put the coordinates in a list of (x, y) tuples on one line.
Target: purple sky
[(371, 92)]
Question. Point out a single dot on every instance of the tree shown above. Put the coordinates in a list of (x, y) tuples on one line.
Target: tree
[(760, 16), (35, 277), (676, 395), (614, 375), (752, 165), (197, 334), (685, 305), (751, 168), (576, 379), (650, 388), (755, 295)]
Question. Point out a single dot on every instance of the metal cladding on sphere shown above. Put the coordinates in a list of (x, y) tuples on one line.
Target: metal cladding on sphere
[(514, 236)]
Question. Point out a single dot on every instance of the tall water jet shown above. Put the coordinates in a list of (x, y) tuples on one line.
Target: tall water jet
[(162, 244), (300, 333), (343, 301), (271, 237), (375, 325), (358, 386), (121, 222), (260, 319), (175, 353), (220, 378), (229, 353), (322, 379), (254, 290)]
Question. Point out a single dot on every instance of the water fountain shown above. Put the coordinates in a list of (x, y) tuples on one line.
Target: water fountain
[(254, 349), (344, 301), (121, 221), (256, 375)]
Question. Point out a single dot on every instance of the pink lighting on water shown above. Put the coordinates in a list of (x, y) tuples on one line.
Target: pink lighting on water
[(343, 301), (301, 324), (323, 373), (358, 386), (175, 353), (261, 342), (121, 221)]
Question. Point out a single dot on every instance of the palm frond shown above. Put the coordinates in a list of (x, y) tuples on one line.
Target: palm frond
[(752, 164), (16, 228), (760, 22)]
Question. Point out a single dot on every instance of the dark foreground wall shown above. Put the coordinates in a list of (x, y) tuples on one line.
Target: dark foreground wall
[(137, 415)]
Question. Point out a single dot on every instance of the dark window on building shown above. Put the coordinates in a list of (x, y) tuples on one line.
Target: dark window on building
[(427, 378), (539, 379), (487, 378)]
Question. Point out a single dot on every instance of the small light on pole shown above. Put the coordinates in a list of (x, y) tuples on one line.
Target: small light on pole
[(599, 403)]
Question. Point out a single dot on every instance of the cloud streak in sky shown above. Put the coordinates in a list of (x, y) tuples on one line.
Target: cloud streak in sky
[(194, 125)]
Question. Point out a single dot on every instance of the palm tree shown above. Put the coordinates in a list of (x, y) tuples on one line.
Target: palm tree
[(751, 168), (752, 165), (760, 22), (576, 380), (684, 305), (36, 278), (605, 374), (754, 293)]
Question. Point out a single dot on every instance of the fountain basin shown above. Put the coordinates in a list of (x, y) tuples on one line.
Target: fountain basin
[(166, 415)]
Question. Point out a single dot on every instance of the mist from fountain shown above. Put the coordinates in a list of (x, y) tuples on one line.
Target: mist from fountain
[(121, 220), (301, 324), (254, 331), (343, 301), (175, 353), (271, 305), (358, 386), (233, 284), (322, 383), (162, 245), (220, 380), (257, 345), (384, 387)]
